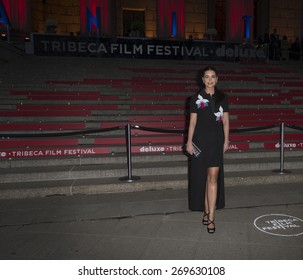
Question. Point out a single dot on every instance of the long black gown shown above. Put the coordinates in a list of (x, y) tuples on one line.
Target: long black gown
[(209, 137)]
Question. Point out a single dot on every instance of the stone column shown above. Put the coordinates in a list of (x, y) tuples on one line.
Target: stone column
[(264, 17), (211, 5)]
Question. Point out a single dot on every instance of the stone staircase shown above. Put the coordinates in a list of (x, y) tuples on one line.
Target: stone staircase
[(101, 94)]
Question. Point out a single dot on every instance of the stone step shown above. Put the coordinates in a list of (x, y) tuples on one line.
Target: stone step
[(106, 92), (7, 97), (14, 128), (106, 116), (136, 107), (11, 104), (121, 158), (114, 170), (19, 190), (11, 129), (141, 135)]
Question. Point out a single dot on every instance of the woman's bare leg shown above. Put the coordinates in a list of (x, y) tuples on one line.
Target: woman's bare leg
[(211, 192)]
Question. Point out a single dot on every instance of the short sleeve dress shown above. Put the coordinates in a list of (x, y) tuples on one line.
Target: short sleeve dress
[(209, 137)]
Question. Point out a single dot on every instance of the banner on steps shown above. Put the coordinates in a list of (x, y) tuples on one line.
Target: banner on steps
[(61, 45), (137, 149), (91, 151), (56, 152)]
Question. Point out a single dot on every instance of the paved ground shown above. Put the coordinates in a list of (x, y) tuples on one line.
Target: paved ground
[(153, 225)]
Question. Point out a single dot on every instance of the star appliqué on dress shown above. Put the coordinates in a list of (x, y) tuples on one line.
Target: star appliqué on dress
[(201, 102), (219, 115)]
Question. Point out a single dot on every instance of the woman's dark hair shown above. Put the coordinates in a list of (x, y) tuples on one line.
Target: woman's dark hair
[(209, 68)]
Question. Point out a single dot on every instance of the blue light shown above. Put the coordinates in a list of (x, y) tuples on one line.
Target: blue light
[(174, 24), (3, 15), (247, 29)]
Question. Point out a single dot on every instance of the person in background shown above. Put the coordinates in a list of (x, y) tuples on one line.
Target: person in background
[(295, 49), (274, 46), (208, 132), (284, 48), (266, 43)]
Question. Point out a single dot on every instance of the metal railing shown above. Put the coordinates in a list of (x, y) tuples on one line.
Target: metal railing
[(128, 128), (128, 137)]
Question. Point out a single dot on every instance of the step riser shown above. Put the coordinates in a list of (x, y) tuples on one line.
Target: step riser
[(139, 185), (138, 159), (117, 173)]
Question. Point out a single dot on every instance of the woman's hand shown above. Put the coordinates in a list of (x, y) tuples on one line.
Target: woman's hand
[(190, 148), (225, 146)]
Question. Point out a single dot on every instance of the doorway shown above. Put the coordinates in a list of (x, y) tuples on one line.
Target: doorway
[(133, 23)]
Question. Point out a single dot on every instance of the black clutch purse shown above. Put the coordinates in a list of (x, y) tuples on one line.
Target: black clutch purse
[(197, 151)]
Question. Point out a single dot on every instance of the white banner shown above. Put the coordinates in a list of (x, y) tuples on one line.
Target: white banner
[(153, 270)]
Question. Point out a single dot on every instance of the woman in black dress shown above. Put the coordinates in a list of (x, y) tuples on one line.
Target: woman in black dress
[(209, 132)]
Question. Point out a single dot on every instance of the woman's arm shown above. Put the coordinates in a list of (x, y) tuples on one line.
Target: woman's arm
[(191, 130), (226, 130)]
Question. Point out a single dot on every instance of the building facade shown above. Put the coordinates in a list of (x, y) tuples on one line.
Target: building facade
[(226, 20)]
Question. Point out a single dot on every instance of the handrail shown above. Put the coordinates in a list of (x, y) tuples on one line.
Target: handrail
[(159, 129), (294, 127), (58, 134), (238, 130)]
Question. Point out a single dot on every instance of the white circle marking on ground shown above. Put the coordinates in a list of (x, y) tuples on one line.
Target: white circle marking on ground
[(279, 224)]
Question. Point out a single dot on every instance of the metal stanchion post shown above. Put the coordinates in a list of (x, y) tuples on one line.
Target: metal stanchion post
[(7, 34), (281, 170), (129, 178)]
